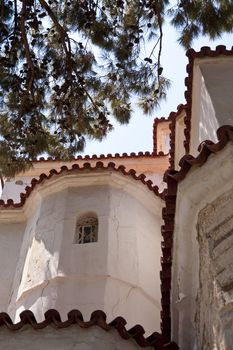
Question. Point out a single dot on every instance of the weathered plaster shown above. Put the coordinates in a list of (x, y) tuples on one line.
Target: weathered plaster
[(71, 338), (179, 138), (163, 137), (118, 274), (11, 236)]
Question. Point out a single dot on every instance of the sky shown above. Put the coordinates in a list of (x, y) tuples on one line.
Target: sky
[(137, 135)]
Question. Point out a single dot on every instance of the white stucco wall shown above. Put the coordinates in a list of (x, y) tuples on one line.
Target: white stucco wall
[(203, 122), (11, 236), (212, 104), (200, 187), (218, 75), (73, 337), (179, 139), (119, 273)]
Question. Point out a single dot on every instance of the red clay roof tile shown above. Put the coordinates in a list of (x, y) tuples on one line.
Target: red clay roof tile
[(86, 166), (206, 148), (98, 318), (103, 156)]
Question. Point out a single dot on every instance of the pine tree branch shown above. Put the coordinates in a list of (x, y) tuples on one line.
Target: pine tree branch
[(64, 36), (154, 47), (6, 37), (87, 93), (157, 12), (60, 29), (160, 42), (89, 31), (2, 8), (26, 45)]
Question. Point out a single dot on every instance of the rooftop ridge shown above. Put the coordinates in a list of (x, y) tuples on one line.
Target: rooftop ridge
[(103, 156), (86, 166)]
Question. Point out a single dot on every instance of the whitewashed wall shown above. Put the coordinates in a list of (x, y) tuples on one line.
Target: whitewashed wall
[(203, 122), (212, 103), (73, 337), (11, 236), (118, 274), (179, 138)]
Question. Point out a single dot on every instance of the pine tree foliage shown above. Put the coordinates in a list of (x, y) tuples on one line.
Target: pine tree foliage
[(199, 17), (67, 66)]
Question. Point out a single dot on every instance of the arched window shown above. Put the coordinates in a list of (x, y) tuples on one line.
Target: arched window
[(86, 230)]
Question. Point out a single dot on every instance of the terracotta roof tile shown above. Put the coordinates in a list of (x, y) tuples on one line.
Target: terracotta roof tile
[(98, 318), (103, 156), (172, 177), (86, 166), (206, 148)]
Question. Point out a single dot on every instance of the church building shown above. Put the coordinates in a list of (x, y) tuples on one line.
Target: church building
[(131, 251)]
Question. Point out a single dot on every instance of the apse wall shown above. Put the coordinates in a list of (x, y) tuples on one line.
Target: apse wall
[(11, 236), (118, 274)]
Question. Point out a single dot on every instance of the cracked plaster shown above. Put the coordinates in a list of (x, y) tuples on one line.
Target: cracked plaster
[(122, 268)]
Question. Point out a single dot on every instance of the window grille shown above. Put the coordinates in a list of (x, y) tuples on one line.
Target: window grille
[(86, 230)]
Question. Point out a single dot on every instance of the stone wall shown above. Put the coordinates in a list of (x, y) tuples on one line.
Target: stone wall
[(203, 218), (215, 296)]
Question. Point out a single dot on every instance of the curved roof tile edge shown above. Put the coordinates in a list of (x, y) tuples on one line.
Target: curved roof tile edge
[(172, 177), (102, 156), (206, 148), (86, 166), (98, 318), (205, 51)]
